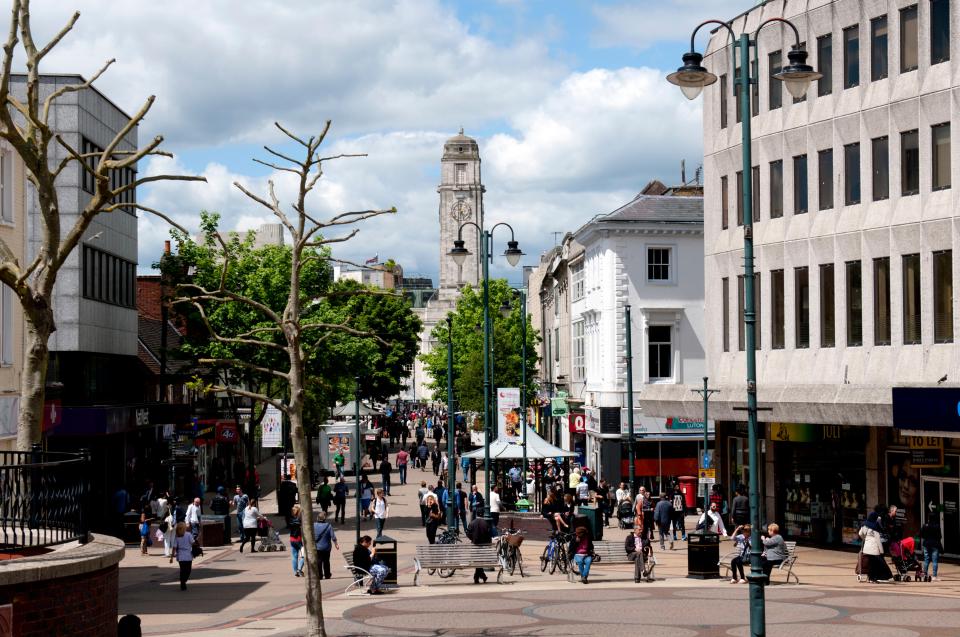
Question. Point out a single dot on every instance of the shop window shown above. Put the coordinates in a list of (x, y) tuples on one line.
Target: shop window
[(828, 323), (775, 86), (880, 168), (723, 101), (943, 296), (881, 301), (909, 163), (854, 305), (659, 352), (724, 206), (851, 174), (777, 319), (825, 64), (939, 31), (739, 197), (801, 297), (800, 184), (725, 290), (878, 48), (851, 57), (776, 189), (825, 178), (909, 32), (911, 299), (940, 142)]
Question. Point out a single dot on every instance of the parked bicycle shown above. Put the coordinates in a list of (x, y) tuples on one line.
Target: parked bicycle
[(508, 550), (451, 535), (555, 553)]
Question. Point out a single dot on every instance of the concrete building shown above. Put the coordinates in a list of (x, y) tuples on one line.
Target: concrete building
[(375, 275), (855, 227), (13, 223), (648, 254)]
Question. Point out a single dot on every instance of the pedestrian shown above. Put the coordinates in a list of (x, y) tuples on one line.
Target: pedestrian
[(712, 522), (461, 503), (476, 502), (581, 549), (338, 461), (622, 494), (433, 518), (583, 492), (129, 626), (340, 492), (220, 505), (296, 541), (479, 534), (931, 539), (663, 515), (325, 538), (495, 506), (603, 501), (251, 522), (422, 501), (740, 508), (366, 497), (679, 507), (194, 511), (423, 454), (514, 474), (324, 495), (183, 544), (380, 510), (435, 461), (385, 470), (240, 502), (168, 526), (365, 558), (872, 547), (402, 459), (741, 539), (638, 550), (144, 534), (465, 466), (775, 549)]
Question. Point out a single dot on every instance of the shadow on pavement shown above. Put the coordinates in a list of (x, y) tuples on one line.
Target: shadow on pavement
[(201, 597)]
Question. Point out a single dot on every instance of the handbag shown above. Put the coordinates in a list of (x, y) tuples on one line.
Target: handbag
[(196, 550), (163, 528)]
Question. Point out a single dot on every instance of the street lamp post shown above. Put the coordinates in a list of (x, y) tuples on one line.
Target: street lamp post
[(630, 445), (459, 254), (705, 393), (451, 462), (691, 78)]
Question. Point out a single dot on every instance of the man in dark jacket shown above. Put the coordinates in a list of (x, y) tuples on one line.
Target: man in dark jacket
[(637, 546), (385, 469), (740, 509), (479, 534), (286, 497), (662, 515)]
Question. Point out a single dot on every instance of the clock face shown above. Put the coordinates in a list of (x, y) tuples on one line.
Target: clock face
[(461, 211)]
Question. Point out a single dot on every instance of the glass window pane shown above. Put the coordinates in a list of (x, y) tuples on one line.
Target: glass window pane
[(801, 284), (800, 184), (726, 313), (755, 193), (909, 163), (911, 299), (776, 189), (825, 177), (825, 64), (943, 296), (723, 101), (940, 141), (878, 48), (851, 57), (881, 301), (827, 310), (6, 306), (724, 203), (854, 285), (908, 38), (739, 197), (756, 310), (736, 94), (851, 174), (939, 31), (774, 85), (777, 320), (880, 160), (754, 90), (740, 324)]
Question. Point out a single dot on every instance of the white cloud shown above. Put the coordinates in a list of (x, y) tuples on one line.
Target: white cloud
[(640, 25)]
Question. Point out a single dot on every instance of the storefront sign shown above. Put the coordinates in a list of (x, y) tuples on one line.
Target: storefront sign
[(578, 423), (272, 428), (226, 432), (926, 452), (508, 414), (926, 408), (684, 424), (803, 432)]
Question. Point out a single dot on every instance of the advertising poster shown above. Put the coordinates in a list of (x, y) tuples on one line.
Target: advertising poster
[(508, 415), (903, 490), (272, 428)]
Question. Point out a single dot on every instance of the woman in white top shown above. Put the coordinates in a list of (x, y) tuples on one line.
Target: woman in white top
[(168, 536), (251, 519), (380, 508), (183, 544)]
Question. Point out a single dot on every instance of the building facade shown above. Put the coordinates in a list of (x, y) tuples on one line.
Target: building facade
[(855, 219), (13, 222)]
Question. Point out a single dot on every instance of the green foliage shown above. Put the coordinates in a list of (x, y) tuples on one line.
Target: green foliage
[(468, 347)]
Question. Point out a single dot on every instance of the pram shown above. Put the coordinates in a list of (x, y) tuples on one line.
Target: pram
[(625, 514), (269, 537), (904, 559)]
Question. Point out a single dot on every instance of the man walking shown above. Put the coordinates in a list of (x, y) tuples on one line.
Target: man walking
[(193, 517), (402, 459), (663, 515), (240, 502), (422, 454), (740, 508), (338, 460), (385, 469)]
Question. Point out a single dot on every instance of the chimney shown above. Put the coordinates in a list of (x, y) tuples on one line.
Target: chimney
[(166, 247), (683, 174)]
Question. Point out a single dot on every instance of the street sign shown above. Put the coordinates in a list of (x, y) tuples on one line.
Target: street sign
[(708, 476)]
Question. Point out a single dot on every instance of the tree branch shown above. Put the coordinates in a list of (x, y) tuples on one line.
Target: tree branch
[(236, 362)]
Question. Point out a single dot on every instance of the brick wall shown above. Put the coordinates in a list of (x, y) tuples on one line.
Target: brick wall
[(148, 296), (80, 605)]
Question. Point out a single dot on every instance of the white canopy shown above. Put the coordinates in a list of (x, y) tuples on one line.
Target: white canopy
[(537, 449), (350, 409)]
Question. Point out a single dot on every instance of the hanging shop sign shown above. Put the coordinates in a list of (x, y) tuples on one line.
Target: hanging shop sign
[(508, 414), (926, 452), (577, 422), (227, 432)]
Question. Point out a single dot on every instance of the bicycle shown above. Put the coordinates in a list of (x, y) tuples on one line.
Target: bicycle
[(508, 550), (451, 535), (555, 553)]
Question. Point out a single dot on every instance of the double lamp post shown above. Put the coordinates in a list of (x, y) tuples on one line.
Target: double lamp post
[(692, 77)]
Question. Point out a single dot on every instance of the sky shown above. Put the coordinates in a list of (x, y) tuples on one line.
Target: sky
[(566, 98)]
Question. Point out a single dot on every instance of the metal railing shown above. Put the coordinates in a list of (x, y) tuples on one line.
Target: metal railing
[(44, 498)]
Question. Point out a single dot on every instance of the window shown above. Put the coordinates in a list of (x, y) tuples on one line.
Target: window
[(742, 302), (776, 189), (878, 48), (775, 86), (880, 167), (577, 276), (881, 301), (739, 197), (6, 336), (851, 57), (828, 322), (723, 101), (756, 310), (940, 144), (579, 352), (777, 320), (943, 296), (909, 32), (939, 31), (659, 355), (754, 90), (119, 177), (724, 205), (87, 182), (108, 279), (737, 101), (556, 339), (909, 163), (658, 264), (725, 290), (854, 285), (825, 64), (911, 299), (740, 323), (556, 300), (800, 184), (851, 174), (755, 193), (6, 187), (801, 299), (825, 177)]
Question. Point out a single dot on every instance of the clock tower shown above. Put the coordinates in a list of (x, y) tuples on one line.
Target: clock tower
[(461, 200)]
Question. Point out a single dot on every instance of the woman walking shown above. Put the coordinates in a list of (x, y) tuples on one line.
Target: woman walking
[(168, 526), (296, 541), (878, 570), (366, 497), (380, 509), (340, 493), (581, 548), (251, 520), (433, 518), (183, 544)]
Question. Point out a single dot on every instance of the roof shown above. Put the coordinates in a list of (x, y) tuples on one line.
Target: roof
[(148, 346), (658, 209), (537, 448)]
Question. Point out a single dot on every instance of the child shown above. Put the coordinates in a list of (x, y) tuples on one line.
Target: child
[(144, 534)]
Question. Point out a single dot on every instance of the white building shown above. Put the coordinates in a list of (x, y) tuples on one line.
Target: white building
[(648, 254), (855, 225)]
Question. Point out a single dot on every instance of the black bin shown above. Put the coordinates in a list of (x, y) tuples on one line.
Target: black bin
[(590, 517), (703, 554), (387, 553)]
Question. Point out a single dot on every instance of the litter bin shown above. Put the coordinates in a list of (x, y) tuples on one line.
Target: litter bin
[(703, 554), (387, 553), (589, 516), (211, 530)]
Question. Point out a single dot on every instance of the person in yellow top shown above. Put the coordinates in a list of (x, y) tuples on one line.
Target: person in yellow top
[(574, 478)]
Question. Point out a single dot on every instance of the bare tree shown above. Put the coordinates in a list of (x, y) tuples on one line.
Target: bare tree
[(283, 331), (25, 125)]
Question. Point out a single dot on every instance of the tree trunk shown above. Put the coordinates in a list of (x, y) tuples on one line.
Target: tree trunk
[(39, 325), (315, 625)]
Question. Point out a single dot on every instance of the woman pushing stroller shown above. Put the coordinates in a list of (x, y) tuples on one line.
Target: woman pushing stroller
[(872, 535)]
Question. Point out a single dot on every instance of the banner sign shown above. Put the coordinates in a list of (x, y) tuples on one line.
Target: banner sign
[(558, 406), (578, 423), (227, 432), (272, 428), (508, 414), (926, 408), (926, 452)]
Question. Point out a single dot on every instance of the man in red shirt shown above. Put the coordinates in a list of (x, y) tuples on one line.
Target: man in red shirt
[(402, 458)]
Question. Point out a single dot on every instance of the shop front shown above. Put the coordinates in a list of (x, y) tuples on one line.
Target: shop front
[(820, 480)]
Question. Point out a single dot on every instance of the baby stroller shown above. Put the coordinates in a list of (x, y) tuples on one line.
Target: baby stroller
[(904, 559), (625, 514), (269, 537)]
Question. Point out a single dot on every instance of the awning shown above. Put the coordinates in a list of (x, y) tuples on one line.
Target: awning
[(537, 449), (349, 410)]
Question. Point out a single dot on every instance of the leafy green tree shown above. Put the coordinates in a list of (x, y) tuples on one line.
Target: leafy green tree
[(468, 347)]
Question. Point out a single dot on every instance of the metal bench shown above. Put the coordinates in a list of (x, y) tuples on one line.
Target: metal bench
[(784, 567), (610, 553), (450, 557), (361, 578)]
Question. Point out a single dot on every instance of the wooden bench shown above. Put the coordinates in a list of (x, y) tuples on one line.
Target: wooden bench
[(450, 557), (786, 566), (610, 553)]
